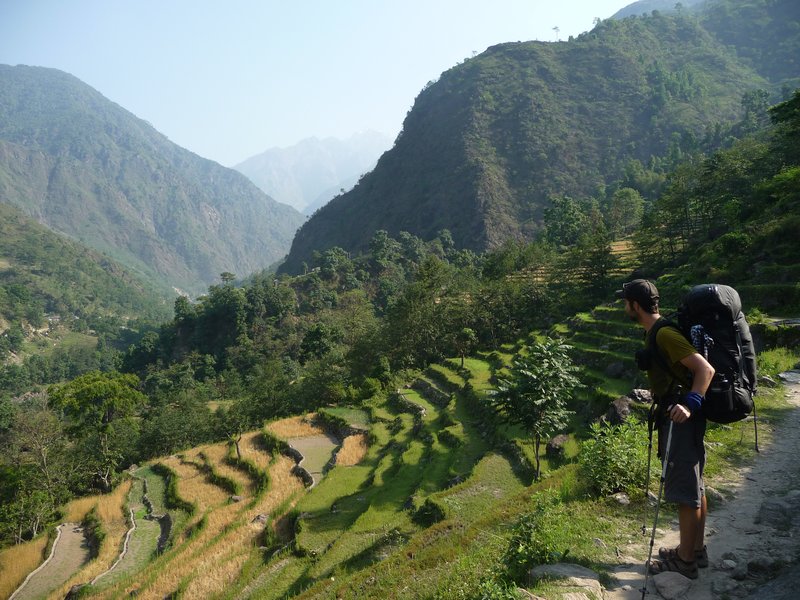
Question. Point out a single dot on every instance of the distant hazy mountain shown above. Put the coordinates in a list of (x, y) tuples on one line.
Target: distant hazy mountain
[(486, 147), (645, 7), (313, 171), (83, 165)]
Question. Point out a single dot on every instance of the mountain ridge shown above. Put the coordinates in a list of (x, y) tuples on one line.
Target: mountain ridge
[(299, 175), (486, 145), (88, 168)]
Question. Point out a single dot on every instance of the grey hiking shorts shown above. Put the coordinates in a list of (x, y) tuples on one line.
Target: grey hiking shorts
[(687, 459)]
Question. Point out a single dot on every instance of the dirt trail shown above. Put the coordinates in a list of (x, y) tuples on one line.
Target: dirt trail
[(757, 549), (69, 554)]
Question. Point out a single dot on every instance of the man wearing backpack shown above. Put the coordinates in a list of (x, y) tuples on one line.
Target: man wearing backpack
[(679, 377)]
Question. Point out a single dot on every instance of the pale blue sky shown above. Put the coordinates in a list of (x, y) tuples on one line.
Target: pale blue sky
[(229, 79)]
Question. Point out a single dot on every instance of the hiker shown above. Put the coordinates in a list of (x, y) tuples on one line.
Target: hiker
[(678, 396)]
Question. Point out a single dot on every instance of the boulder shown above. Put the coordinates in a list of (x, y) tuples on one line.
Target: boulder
[(619, 410), (714, 496), (555, 447), (725, 588), (570, 576), (767, 381), (622, 498), (776, 513), (640, 395)]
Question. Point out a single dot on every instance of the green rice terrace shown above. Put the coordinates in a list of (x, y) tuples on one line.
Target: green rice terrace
[(416, 494)]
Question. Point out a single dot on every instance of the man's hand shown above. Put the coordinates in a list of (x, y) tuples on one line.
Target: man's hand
[(679, 413)]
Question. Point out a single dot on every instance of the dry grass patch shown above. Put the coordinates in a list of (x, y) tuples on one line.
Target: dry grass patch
[(354, 449), (213, 559), (17, 561), (76, 511), (252, 450), (111, 512), (217, 569), (216, 454), (185, 561), (193, 487), (295, 427)]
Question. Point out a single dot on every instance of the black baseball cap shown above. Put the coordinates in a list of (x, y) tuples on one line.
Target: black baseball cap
[(639, 290)]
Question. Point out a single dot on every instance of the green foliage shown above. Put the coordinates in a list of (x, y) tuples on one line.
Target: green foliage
[(96, 399), (614, 458), (497, 589), (429, 513), (536, 393), (539, 537), (95, 534), (776, 360), (44, 272)]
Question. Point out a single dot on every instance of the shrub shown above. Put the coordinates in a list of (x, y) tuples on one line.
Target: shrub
[(538, 537), (446, 420), (429, 513), (95, 534), (449, 439), (497, 589), (614, 459)]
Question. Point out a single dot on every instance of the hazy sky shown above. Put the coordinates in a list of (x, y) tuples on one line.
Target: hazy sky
[(231, 78)]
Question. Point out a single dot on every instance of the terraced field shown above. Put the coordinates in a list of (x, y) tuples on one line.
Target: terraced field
[(425, 472)]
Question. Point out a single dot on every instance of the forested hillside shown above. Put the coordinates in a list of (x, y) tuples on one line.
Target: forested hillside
[(63, 306), (84, 166), (487, 147)]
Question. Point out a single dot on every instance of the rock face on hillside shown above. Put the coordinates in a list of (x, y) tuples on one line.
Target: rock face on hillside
[(486, 146), (84, 166)]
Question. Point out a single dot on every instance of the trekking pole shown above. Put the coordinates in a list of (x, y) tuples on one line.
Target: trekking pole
[(658, 505), (755, 424), (650, 423)]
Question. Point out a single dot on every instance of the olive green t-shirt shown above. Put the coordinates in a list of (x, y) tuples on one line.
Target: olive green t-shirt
[(674, 348)]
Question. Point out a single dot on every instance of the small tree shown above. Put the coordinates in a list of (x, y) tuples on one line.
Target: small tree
[(536, 392), (465, 340)]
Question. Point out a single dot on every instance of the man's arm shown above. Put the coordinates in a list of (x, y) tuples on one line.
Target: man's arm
[(702, 374)]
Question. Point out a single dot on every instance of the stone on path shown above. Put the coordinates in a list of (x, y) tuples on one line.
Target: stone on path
[(790, 376), (570, 576), (671, 585)]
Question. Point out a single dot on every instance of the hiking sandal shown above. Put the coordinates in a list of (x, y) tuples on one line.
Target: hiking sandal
[(700, 556), (675, 564)]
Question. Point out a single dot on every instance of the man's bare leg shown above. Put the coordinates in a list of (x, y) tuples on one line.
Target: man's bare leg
[(690, 522), (700, 538)]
